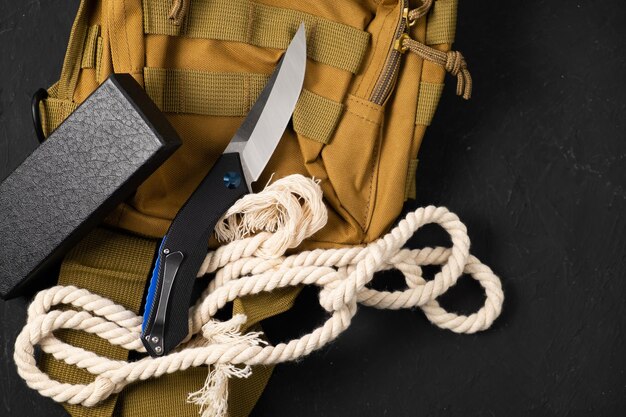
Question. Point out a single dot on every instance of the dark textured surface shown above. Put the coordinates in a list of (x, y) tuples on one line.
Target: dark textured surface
[(68, 184), (534, 164)]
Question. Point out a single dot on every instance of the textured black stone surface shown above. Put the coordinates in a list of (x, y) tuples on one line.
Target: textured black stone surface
[(535, 164)]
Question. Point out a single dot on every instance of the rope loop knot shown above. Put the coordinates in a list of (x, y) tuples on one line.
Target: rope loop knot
[(452, 61), (456, 66)]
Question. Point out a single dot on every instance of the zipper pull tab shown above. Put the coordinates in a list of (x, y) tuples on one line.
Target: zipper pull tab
[(399, 45), (406, 15)]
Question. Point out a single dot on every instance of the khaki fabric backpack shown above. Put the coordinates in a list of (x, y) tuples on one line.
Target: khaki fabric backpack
[(357, 128)]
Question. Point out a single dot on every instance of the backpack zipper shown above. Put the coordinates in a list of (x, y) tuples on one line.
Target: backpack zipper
[(388, 76)]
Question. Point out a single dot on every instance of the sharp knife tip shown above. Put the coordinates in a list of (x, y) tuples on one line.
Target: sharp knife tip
[(301, 31)]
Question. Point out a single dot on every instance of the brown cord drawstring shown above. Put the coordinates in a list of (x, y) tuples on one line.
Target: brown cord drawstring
[(420, 11), (456, 65), (452, 61), (178, 11)]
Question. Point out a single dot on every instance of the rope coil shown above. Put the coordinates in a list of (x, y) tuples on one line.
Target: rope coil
[(342, 275)]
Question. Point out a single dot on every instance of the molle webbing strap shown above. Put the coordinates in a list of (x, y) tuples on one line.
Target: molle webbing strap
[(98, 59), (316, 117), (81, 53), (91, 47), (205, 93), (410, 188), (329, 42), (428, 99), (54, 112), (233, 94), (74, 54), (113, 265), (441, 26)]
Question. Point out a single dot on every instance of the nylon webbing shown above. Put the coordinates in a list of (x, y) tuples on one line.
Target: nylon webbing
[(316, 117), (113, 265), (410, 188), (233, 94), (428, 99), (74, 54), (53, 112), (98, 59), (441, 24), (329, 42), (91, 47), (200, 92)]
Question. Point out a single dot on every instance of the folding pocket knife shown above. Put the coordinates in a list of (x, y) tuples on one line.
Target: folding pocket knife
[(165, 321)]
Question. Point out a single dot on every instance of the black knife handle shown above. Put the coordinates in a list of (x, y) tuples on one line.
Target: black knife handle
[(189, 234), (156, 334)]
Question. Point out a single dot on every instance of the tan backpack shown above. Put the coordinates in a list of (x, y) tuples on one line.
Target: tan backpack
[(374, 78)]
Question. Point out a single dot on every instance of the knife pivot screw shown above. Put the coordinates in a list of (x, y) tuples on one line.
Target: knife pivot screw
[(166, 251), (232, 180), (155, 339)]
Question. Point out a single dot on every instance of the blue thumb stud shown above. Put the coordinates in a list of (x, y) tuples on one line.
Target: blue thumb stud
[(232, 180)]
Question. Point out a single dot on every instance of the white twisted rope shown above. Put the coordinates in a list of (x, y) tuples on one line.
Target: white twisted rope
[(292, 208)]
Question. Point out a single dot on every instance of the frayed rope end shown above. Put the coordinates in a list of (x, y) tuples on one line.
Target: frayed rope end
[(213, 396), (289, 209)]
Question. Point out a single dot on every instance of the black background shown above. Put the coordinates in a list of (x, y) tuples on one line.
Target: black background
[(535, 166)]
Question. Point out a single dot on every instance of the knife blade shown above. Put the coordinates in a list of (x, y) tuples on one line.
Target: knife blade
[(165, 322)]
